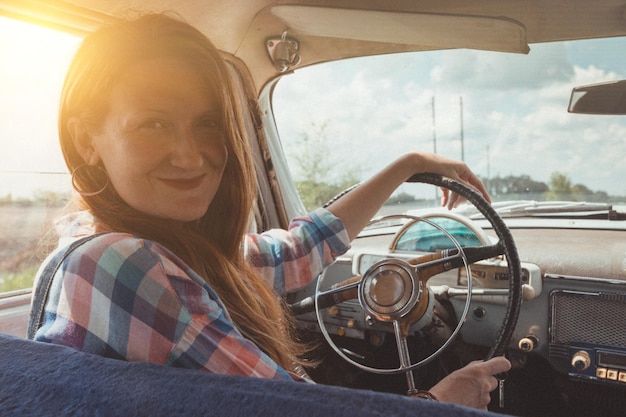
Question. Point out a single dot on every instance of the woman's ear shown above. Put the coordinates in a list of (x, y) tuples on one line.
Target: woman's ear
[(83, 141)]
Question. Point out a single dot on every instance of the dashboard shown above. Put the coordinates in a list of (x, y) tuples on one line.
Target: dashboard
[(573, 313)]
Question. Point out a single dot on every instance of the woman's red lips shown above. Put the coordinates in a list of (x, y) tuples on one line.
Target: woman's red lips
[(184, 183)]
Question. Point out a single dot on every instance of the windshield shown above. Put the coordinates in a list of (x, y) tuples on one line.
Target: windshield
[(504, 114)]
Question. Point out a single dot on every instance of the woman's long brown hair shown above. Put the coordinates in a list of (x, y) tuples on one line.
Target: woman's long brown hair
[(212, 246)]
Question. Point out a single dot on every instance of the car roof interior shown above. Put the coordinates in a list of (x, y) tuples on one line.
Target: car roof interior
[(376, 27)]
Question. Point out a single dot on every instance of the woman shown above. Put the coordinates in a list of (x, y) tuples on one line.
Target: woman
[(153, 136)]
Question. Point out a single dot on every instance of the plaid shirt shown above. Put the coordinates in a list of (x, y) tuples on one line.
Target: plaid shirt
[(132, 299)]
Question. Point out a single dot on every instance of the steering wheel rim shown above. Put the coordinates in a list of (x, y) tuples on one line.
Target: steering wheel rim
[(514, 303), (403, 350), (509, 249)]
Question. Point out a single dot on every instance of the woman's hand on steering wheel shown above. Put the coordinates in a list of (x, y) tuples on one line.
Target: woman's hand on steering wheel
[(455, 170), (472, 385)]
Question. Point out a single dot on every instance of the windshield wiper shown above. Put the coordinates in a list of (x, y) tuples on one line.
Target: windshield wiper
[(556, 209)]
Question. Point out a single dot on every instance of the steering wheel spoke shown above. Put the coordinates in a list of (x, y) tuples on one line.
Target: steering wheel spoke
[(401, 332), (428, 266), (338, 293)]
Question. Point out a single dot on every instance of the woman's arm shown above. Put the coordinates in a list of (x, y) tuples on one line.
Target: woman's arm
[(357, 207), (290, 259)]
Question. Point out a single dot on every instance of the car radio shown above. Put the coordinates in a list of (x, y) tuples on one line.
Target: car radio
[(598, 363), (587, 329)]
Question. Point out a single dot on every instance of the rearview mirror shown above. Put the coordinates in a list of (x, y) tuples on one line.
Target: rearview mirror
[(604, 98)]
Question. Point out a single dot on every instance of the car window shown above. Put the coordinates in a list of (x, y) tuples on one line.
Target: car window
[(504, 114), (34, 182)]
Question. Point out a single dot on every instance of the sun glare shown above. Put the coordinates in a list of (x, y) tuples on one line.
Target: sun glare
[(29, 48), (34, 62)]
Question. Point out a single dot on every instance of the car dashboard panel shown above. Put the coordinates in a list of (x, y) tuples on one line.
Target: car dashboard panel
[(573, 322)]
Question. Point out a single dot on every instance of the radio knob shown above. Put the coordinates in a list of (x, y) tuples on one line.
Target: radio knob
[(581, 360), (527, 344)]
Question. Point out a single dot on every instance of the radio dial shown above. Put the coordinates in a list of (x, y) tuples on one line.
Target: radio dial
[(581, 360), (528, 343)]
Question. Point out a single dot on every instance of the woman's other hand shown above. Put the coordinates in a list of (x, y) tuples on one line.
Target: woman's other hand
[(472, 385)]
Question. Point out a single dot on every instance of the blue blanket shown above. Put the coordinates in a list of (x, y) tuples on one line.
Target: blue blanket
[(46, 380)]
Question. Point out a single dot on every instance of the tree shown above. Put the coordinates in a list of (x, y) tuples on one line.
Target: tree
[(316, 194), (312, 155), (560, 183), (523, 185), (50, 198), (316, 179), (560, 187)]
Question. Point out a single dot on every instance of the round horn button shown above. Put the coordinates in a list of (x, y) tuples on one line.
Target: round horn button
[(387, 288)]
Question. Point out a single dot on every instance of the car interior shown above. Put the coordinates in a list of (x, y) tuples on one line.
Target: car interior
[(537, 275)]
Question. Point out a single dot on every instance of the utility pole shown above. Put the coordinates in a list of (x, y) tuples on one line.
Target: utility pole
[(434, 127), (434, 142), (462, 144), (488, 185)]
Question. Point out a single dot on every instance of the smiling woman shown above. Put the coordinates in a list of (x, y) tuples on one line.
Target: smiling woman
[(168, 155), (33, 178)]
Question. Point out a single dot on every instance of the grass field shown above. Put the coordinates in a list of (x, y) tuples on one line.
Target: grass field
[(23, 233)]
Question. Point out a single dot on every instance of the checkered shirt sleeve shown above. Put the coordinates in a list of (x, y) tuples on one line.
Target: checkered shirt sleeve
[(290, 259)]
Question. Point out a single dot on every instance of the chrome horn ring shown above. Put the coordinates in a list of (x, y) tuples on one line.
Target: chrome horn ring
[(389, 290)]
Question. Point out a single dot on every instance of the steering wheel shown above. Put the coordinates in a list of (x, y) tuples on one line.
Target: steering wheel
[(395, 292)]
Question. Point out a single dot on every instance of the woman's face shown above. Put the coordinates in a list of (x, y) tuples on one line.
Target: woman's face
[(162, 141)]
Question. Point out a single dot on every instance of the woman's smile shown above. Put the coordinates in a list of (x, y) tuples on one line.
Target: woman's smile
[(184, 183)]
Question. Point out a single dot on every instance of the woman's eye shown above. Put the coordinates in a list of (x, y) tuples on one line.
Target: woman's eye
[(152, 124), (209, 124)]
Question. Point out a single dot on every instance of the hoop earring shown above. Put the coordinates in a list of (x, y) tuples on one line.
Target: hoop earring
[(96, 176)]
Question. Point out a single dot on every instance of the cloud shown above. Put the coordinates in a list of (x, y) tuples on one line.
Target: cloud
[(514, 108), (498, 71)]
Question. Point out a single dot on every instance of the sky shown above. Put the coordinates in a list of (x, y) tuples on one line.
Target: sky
[(29, 94), (514, 119)]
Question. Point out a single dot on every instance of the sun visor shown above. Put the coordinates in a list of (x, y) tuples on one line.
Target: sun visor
[(429, 30)]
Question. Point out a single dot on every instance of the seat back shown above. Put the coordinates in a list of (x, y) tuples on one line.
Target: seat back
[(49, 380)]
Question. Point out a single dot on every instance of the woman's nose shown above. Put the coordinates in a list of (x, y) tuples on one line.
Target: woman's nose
[(185, 151)]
